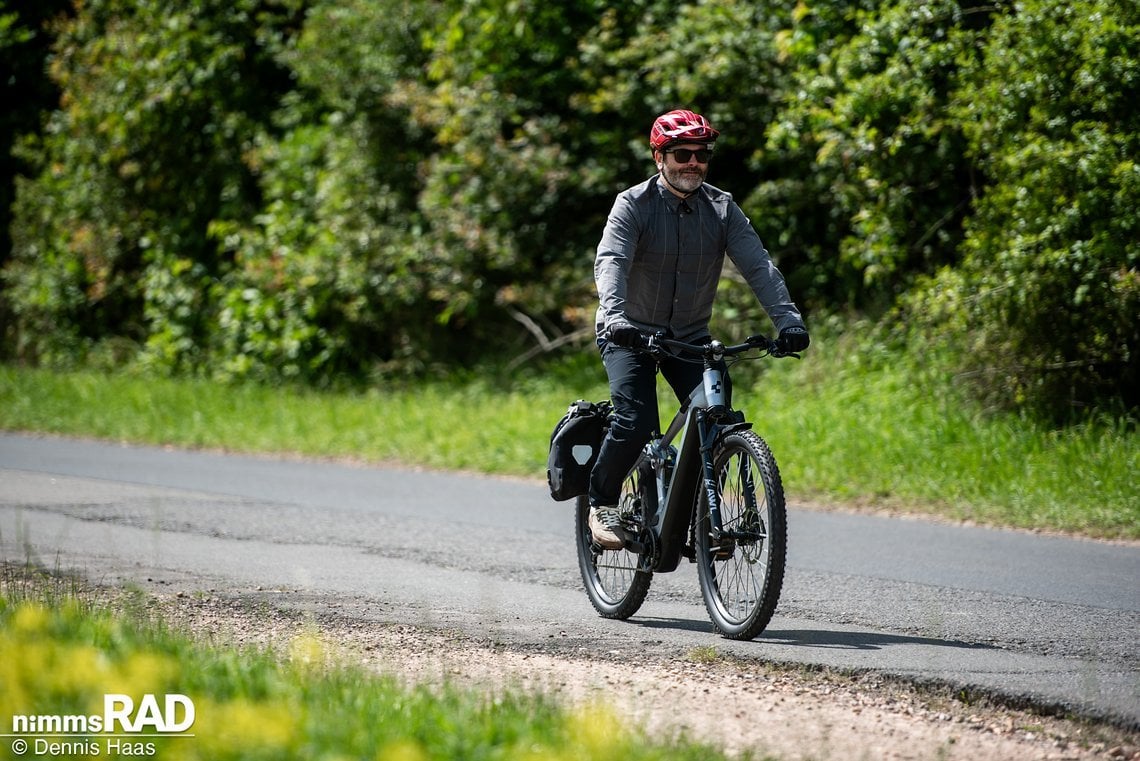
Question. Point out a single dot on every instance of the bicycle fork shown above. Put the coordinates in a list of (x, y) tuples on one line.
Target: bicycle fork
[(712, 493), (710, 433)]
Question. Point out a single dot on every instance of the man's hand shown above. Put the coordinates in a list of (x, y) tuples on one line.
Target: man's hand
[(625, 335), (793, 339)]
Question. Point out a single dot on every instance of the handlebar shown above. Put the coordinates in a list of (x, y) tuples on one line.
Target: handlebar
[(714, 350)]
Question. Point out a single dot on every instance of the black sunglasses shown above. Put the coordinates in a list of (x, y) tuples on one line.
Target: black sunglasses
[(684, 154)]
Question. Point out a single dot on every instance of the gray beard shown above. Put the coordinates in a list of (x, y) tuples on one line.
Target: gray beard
[(683, 180)]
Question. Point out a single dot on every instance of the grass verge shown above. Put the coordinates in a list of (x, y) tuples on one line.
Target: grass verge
[(62, 655), (853, 423)]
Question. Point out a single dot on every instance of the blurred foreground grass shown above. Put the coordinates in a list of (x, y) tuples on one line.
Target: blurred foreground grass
[(61, 655)]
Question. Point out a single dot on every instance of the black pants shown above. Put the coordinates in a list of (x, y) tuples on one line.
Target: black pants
[(633, 391)]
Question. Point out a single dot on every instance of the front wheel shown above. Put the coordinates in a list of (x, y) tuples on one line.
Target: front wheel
[(741, 574), (615, 580)]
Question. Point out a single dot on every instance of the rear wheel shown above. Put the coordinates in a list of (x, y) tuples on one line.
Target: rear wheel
[(615, 580), (741, 574)]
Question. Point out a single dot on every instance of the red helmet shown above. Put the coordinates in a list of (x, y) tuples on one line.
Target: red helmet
[(681, 126)]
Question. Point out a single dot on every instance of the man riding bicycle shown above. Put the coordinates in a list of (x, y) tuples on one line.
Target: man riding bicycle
[(657, 269)]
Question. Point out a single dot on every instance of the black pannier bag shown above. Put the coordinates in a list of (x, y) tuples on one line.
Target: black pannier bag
[(574, 446)]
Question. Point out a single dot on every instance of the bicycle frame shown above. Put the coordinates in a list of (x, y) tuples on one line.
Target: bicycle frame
[(698, 423)]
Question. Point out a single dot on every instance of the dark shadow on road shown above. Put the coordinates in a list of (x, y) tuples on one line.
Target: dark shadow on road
[(858, 640), (672, 623), (821, 638)]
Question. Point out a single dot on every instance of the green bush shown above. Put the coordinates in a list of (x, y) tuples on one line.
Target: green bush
[(110, 236), (876, 184), (332, 191), (1045, 303)]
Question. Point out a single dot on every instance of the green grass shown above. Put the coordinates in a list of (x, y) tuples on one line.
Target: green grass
[(873, 428), (62, 655), (441, 424), (851, 424)]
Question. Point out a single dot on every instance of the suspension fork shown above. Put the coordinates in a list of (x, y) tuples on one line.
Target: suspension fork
[(750, 487), (709, 433), (707, 430)]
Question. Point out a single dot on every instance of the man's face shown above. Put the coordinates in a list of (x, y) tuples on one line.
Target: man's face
[(686, 176)]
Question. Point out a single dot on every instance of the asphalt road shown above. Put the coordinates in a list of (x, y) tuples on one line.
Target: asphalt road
[(1047, 620)]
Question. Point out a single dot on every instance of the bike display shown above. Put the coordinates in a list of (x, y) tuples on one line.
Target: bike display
[(707, 489)]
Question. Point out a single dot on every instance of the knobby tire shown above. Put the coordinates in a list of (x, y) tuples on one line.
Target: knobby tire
[(741, 579)]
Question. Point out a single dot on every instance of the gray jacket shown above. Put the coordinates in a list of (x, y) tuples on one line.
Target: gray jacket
[(660, 258)]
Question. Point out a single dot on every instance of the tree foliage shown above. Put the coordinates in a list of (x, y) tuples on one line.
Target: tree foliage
[(334, 189), (873, 186), (27, 95), (110, 239), (326, 276), (1047, 296)]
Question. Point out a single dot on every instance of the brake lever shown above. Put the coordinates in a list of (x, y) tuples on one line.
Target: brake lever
[(652, 347), (774, 352)]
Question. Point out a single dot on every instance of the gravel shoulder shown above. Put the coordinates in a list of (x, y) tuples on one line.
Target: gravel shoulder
[(790, 714)]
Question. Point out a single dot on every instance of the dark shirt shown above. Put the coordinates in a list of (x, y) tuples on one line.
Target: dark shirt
[(660, 258)]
